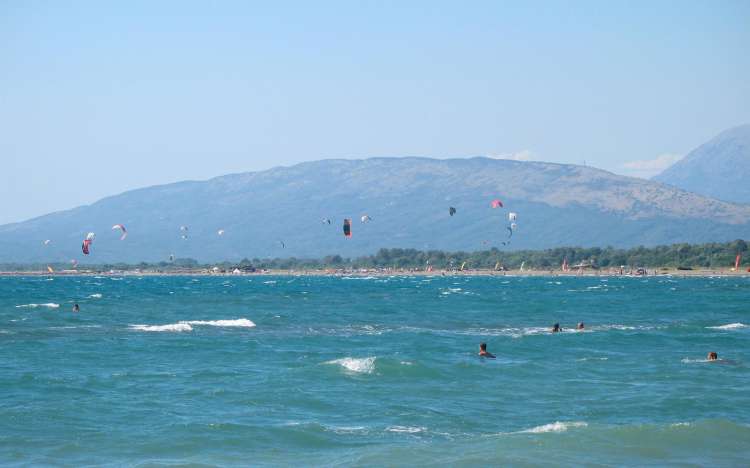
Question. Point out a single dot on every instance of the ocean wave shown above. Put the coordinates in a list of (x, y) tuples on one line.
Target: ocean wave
[(242, 323), (349, 330), (95, 296), (697, 361), (405, 429), (729, 326), (519, 332), (73, 327), (358, 365), (50, 305), (171, 327), (554, 427)]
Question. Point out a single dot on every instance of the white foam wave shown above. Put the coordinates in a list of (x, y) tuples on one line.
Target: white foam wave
[(96, 296), (554, 427), (358, 365), (696, 361), (405, 429), (729, 326), (242, 323), (346, 429), (50, 305), (172, 327), (592, 359)]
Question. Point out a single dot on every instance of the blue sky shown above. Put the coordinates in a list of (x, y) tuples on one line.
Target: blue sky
[(100, 97)]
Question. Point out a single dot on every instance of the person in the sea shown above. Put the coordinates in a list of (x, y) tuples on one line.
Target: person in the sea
[(580, 326), (483, 351), (76, 308), (713, 356), (556, 328)]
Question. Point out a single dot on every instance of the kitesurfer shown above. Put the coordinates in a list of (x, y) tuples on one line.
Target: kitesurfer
[(712, 356), (483, 351)]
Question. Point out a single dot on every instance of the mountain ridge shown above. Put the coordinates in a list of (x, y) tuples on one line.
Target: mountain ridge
[(719, 168), (408, 199)]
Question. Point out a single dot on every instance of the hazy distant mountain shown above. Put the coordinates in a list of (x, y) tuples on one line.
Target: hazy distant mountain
[(407, 199), (719, 168)]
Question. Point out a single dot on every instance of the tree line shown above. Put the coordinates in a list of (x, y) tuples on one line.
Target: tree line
[(686, 256)]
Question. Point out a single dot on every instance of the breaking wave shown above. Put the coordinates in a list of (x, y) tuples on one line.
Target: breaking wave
[(729, 326), (50, 305), (171, 327), (242, 323), (358, 365), (554, 427)]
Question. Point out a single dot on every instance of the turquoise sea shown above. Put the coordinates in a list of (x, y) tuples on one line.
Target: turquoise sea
[(163, 371)]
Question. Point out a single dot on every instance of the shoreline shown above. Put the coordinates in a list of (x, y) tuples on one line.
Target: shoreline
[(361, 273)]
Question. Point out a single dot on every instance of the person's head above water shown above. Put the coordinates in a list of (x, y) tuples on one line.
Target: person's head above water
[(712, 356), (556, 328), (75, 308), (483, 351), (580, 326)]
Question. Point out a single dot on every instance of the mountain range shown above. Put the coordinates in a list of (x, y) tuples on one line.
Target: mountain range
[(280, 212), (720, 168)]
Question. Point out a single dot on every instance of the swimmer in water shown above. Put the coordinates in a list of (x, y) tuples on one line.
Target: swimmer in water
[(556, 328), (76, 308), (483, 351), (712, 356), (580, 326)]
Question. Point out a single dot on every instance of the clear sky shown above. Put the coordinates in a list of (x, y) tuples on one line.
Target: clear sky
[(100, 97)]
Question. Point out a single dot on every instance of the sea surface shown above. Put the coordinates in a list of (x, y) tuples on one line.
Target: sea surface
[(374, 371)]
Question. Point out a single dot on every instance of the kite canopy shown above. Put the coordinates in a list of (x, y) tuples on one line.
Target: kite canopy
[(496, 203), (46, 242), (512, 216), (87, 243), (365, 218), (121, 228), (451, 211), (348, 227), (220, 232), (326, 221)]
